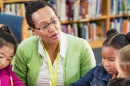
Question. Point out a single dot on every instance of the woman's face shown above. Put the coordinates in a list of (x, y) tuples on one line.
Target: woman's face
[(109, 55), (6, 55), (46, 17)]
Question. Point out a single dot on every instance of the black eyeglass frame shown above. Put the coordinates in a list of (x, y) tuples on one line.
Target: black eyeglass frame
[(48, 24)]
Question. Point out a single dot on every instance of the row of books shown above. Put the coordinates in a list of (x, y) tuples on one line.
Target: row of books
[(19, 8), (119, 7), (67, 9), (75, 9), (80, 9), (121, 24), (89, 31), (15, 9)]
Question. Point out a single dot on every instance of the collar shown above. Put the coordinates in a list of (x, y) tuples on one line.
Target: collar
[(104, 75), (63, 45)]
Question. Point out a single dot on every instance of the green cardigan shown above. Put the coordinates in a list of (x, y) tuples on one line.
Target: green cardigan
[(79, 59)]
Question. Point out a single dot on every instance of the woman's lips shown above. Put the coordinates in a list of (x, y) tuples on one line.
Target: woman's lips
[(54, 36)]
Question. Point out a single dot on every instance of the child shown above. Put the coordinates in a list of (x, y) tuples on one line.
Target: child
[(8, 47), (102, 73), (123, 62)]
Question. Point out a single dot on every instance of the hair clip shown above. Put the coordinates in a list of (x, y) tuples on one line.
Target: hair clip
[(5, 28)]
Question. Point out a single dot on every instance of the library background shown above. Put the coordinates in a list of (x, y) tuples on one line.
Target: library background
[(87, 19)]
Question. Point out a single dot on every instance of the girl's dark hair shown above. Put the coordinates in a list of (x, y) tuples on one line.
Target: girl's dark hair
[(34, 6), (7, 37), (116, 40)]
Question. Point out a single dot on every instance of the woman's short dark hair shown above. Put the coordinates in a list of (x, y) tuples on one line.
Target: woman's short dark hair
[(34, 6)]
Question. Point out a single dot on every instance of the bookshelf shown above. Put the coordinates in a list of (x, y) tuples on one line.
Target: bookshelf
[(106, 18), (24, 31), (10, 1)]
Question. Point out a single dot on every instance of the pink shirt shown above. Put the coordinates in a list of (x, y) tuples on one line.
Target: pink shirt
[(5, 79)]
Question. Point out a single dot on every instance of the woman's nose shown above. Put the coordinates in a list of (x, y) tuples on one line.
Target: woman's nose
[(51, 27)]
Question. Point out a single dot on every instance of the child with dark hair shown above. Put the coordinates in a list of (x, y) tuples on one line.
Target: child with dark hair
[(8, 47), (123, 62), (119, 82), (102, 73)]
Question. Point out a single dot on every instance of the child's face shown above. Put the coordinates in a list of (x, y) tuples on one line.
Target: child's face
[(6, 54), (109, 55)]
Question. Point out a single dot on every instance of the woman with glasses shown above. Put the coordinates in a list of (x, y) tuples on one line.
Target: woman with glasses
[(51, 58), (8, 47)]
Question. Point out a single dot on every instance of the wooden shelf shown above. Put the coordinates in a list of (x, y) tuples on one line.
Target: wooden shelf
[(85, 20), (96, 44), (117, 16), (93, 19)]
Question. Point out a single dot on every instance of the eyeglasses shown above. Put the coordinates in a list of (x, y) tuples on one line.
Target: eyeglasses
[(5, 28), (46, 26)]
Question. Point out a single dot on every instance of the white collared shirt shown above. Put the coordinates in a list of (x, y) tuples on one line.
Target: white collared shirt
[(44, 75)]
